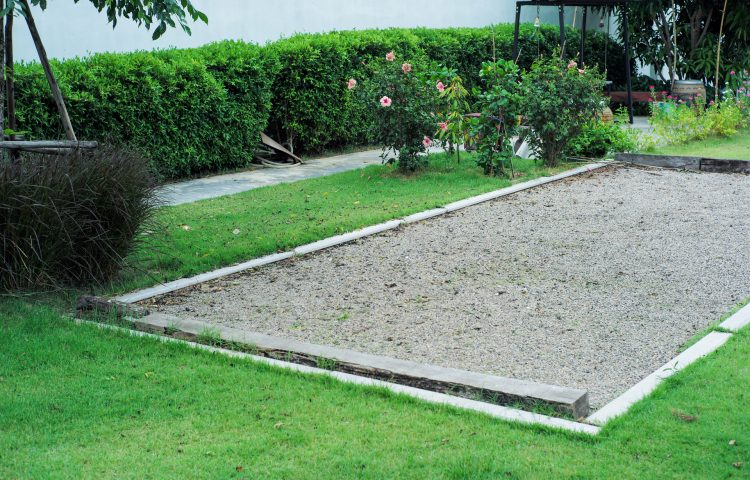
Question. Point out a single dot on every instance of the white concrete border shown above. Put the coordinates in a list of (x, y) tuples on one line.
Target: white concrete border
[(615, 408), (497, 411), (165, 288), (621, 404), (738, 321)]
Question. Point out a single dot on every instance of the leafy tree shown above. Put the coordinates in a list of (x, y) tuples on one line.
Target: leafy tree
[(697, 25), (162, 13)]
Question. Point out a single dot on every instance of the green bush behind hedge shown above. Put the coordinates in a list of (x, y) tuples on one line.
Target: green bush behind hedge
[(198, 110)]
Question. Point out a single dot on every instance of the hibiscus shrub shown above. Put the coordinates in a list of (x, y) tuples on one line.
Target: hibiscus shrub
[(558, 100), (401, 102)]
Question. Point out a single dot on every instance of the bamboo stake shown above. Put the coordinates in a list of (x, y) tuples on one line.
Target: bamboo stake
[(9, 74), (56, 93), (718, 52), (2, 75)]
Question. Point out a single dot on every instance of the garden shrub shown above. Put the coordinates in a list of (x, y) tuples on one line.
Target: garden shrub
[(401, 100), (70, 220), (312, 113), (678, 121), (558, 100), (598, 139), (500, 105), (187, 111)]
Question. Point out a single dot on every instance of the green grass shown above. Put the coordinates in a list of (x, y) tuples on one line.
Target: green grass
[(195, 238), (736, 147), (80, 402)]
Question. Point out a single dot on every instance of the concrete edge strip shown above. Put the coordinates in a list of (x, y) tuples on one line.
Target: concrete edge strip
[(503, 413), (738, 321), (169, 287), (165, 288), (427, 377), (622, 404)]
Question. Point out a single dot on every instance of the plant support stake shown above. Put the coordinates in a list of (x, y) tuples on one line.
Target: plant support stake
[(56, 93)]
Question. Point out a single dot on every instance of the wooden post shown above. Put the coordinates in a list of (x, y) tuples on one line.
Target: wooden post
[(56, 93), (516, 31), (9, 74), (2, 84)]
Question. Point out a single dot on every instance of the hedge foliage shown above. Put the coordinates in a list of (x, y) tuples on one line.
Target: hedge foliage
[(188, 111), (199, 110)]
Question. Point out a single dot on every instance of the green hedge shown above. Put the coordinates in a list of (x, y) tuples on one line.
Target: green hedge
[(188, 111), (314, 112), (200, 110)]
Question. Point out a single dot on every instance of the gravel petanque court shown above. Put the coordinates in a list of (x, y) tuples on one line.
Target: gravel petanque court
[(593, 282)]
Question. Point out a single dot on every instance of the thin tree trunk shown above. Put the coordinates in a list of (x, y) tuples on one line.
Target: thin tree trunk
[(56, 93), (718, 51)]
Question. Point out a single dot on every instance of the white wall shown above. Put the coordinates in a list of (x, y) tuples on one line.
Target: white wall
[(70, 29)]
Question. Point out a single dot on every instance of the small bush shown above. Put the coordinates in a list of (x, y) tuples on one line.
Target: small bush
[(401, 100), (70, 220), (558, 100), (499, 107), (598, 139)]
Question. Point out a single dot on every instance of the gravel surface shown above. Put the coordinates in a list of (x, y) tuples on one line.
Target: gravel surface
[(593, 282)]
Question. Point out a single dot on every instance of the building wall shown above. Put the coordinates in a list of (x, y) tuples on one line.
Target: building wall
[(70, 29)]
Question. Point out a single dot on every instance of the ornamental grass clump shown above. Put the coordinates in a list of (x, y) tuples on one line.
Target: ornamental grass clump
[(71, 220), (558, 100), (401, 101)]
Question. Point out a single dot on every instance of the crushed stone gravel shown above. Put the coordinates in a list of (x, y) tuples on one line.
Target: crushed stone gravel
[(593, 282)]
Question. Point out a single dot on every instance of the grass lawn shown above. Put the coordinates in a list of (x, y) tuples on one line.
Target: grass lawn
[(736, 147), (190, 239), (80, 402)]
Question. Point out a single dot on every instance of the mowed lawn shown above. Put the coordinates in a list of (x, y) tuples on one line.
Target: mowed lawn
[(736, 147), (194, 238), (80, 402)]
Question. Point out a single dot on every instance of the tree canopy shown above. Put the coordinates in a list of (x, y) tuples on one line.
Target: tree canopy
[(162, 13), (697, 25)]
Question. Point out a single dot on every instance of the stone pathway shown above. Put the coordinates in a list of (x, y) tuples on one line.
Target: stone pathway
[(220, 185)]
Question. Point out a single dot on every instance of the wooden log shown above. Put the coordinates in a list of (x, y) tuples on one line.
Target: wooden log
[(29, 144), (718, 165), (44, 60)]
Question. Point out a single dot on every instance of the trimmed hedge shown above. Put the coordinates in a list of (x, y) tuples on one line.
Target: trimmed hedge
[(188, 111), (199, 110)]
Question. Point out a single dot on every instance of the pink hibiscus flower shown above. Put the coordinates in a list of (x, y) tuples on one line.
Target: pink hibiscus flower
[(573, 64), (385, 102), (352, 84), (406, 67), (440, 87), (427, 142), (390, 56), (443, 126)]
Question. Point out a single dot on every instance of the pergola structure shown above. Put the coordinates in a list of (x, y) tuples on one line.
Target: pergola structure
[(585, 4)]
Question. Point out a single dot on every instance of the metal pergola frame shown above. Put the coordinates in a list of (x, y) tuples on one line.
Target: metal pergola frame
[(586, 4)]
